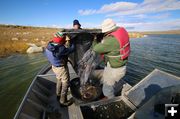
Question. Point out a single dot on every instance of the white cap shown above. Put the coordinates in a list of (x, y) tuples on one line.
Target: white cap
[(108, 25)]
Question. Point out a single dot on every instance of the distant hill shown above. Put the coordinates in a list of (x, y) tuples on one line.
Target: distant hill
[(14, 38), (162, 32)]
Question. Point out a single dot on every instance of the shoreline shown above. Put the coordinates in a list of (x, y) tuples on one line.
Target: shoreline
[(16, 39)]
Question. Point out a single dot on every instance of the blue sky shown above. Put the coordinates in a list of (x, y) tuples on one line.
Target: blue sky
[(135, 15)]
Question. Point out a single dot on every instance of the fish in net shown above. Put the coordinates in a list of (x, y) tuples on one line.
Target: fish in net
[(86, 66)]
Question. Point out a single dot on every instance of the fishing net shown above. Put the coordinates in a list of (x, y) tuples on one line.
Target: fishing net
[(82, 42), (84, 62), (86, 66)]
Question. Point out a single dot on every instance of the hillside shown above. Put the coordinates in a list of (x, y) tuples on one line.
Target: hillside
[(14, 38), (162, 32)]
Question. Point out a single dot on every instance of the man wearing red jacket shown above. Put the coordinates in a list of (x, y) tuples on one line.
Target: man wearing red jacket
[(115, 47)]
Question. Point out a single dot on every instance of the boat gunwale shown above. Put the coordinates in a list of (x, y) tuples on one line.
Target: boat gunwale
[(44, 70)]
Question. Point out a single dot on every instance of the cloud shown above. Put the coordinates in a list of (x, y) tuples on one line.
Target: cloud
[(147, 15), (55, 26), (68, 26), (118, 6), (133, 26), (87, 12), (162, 16), (131, 8), (152, 26), (152, 6), (90, 25), (156, 16)]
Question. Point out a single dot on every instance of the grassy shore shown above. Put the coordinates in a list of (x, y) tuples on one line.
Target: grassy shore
[(162, 32), (8, 47), (14, 39), (136, 35)]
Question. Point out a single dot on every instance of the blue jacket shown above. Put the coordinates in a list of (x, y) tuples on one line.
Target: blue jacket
[(58, 54)]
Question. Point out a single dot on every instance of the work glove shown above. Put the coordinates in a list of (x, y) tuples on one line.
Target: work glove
[(67, 44)]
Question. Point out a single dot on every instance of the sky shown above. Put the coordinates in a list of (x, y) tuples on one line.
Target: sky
[(134, 15)]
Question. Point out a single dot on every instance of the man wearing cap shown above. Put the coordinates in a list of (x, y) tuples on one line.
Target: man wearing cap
[(76, 24), (57, 53), (115, 47)]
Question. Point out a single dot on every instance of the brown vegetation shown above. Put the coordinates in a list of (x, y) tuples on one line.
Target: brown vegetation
[(135, 35), (14, 39), (162, 32), (8, 47)]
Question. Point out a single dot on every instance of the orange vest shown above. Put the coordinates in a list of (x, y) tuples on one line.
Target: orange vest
[(123, 38)]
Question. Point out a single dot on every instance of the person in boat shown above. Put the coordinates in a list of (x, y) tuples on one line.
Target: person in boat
[(115, 49), (57, 52), (76, 25)]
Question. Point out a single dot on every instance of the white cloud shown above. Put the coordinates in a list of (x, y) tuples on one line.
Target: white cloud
[(87, 12), (152, 26), (69, 26), (55, 26), (162, 16), (90, 25), (141, 16), (118, 6), (144, 16), (131, 8), (134, 26), (150, 6), (148, 15)]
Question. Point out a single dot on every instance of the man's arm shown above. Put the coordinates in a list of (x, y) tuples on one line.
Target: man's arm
[(104, 47), (69, 50)]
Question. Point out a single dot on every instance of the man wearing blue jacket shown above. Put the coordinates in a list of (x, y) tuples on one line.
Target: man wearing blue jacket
[(57, 52)]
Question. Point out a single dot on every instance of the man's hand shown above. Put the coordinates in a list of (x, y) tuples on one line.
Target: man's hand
[(98, 37), (95, 37), (67, 38)]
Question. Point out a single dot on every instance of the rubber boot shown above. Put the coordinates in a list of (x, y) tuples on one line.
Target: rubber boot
[(63, 99), (64, 102), (58, 89)]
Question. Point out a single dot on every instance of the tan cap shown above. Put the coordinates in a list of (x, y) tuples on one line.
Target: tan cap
[(108, 25)]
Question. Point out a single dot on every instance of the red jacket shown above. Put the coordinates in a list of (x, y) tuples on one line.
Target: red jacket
[(123, 38)]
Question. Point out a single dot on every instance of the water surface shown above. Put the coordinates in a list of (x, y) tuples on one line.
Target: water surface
[(16, 74), (155, 51)]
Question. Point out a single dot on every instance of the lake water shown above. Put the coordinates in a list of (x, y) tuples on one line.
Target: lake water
[(154, 51), (16, 74)]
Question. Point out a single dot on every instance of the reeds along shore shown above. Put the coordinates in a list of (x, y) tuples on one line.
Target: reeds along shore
[(14, 39), (136, 35), (8, 47)]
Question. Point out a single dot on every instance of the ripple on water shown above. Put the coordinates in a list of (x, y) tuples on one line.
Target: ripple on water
[(154, 51)]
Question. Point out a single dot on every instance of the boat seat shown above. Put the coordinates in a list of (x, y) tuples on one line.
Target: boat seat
[(149, 86)]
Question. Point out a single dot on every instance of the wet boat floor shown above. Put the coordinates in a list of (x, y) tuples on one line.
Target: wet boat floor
[(54, 110), (114, 110)]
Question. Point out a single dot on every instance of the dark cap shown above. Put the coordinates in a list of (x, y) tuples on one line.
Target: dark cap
[(76, 22)]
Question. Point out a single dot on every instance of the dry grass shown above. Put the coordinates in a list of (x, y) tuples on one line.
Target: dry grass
[(135, 35), (163, 32), (14, 39), (9, 47)]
